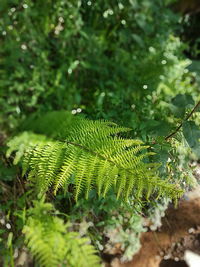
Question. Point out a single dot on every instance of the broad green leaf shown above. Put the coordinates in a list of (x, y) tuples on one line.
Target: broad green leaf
[(180, 103), (192, 135), (183, 100)]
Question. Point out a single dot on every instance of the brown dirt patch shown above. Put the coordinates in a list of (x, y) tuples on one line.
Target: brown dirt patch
[(180, 231)]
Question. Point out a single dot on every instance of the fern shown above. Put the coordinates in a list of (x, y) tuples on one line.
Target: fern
[(51, 244), (60, 149)]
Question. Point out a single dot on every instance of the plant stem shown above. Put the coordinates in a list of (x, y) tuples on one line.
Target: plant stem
[(181, 124)]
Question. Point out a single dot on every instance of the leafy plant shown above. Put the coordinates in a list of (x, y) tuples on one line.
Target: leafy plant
[(88, 154), (51, 244), (58, 55), (117, 60), (192, 135), (125, 233)]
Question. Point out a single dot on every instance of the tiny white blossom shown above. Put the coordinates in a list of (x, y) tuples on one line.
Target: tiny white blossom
[(79, 110), (133, 106), (152, 49), (70, 71), (23, 47), (8, 226), (120, 5), (61, 19), (73, 111)]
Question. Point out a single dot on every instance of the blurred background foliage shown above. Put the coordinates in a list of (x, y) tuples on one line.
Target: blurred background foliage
[(118, 60), (134, 62)]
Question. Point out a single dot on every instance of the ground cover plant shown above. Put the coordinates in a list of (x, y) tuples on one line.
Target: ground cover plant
[(99, 122)]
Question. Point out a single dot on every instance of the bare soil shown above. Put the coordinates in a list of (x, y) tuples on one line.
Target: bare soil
[(165, 247)]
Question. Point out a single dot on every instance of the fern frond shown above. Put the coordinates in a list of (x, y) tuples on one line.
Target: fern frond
[(69, 163), (51, 244), (89, 154)]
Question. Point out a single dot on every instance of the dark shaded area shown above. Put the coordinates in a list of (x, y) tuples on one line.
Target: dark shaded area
[(190, 22), (173, 263), (191, 35), (187, 6)]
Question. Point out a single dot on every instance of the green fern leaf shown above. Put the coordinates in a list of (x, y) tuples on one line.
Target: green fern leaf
[(51, 244), (93, 152)]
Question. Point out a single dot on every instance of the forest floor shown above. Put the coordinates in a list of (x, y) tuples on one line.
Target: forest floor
[(179, 233)]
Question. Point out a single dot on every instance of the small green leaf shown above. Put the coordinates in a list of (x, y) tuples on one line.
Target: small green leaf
[(192, 135), (183, 100), (180, 103), (9, 240)]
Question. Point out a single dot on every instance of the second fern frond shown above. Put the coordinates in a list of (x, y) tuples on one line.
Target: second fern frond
[(51, 244)]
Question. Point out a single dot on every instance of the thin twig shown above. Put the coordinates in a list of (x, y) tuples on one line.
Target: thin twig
[(188, 116)]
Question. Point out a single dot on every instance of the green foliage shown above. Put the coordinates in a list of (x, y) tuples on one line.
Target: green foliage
[(51, 244), (117, 60), (157, 212), (125, 231), (192, 135), (117, 222), (105, 57), (181, 103), (92, 154)]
